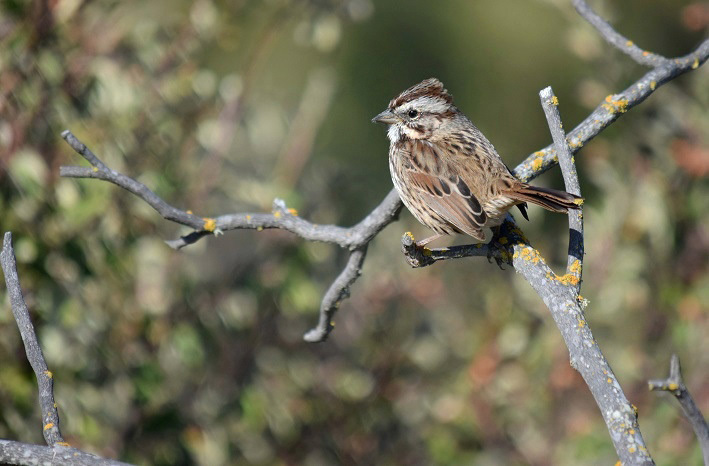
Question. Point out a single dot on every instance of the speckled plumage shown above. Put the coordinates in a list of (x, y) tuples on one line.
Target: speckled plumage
[(446, 171)]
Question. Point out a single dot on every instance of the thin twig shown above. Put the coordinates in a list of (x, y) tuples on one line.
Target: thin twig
[(338, 291), (574, 265), (674, 384), (102, 172), (45, 381), (640, 56)]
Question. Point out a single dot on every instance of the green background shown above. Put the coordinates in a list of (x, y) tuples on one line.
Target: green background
[(196, 356)]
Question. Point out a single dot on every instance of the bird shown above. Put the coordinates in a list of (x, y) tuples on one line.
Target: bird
[(447, 173)]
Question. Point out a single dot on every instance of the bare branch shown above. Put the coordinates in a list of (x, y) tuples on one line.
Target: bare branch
[(339, 291), (566, 308), (355, 238), (45, 381), (674, 384), (58, 451), (102, 172), (574, 265), (19, 453), (640, 56), (281, 217), (611, 109)]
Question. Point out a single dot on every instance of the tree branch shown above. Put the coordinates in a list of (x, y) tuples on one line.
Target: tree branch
[(674, 384), (355, 238), (58, 451), (45, 381), (28, 454), (612, 108), (338, 291), (574, 265), (640, 56)]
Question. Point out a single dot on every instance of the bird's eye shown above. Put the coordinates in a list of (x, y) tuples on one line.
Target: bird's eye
[(413, 113)]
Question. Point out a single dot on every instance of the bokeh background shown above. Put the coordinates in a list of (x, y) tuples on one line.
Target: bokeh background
[(196, 357)]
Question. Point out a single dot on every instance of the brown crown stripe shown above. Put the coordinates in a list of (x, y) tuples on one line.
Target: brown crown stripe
[(430, 88)]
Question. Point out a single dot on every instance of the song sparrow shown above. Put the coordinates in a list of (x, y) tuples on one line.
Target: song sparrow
[(446, 171)]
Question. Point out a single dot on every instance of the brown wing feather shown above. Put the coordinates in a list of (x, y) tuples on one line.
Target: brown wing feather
[(453, 201)]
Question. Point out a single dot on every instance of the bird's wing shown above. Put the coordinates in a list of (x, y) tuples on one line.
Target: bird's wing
[(451, 199)]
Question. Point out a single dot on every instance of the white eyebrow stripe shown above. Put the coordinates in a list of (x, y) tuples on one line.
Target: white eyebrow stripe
[(427, 104)]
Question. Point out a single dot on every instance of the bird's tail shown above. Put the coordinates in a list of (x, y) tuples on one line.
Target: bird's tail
[(550, 199)]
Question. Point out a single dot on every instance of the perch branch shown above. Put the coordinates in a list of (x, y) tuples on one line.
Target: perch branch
[(45, 381), (561, 296), (675, 385)]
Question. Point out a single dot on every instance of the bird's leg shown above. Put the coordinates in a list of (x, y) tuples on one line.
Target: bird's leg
[(425, 241), (494, 245)]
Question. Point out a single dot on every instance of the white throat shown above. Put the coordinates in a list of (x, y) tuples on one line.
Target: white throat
[(394, 133)]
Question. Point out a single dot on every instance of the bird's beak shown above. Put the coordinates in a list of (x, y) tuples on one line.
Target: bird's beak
[(387, 117)]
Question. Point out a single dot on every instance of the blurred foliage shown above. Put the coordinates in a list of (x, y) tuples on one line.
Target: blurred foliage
[(196, 357)]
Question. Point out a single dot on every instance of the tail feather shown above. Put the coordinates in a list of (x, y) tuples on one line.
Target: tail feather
[(550, 199)]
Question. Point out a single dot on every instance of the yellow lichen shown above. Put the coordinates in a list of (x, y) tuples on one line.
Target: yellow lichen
[(95, 169), (673, 386), (409, 235), (609, 380), (248, 218), (259, 228), (629, 43), (575, 266), (63, 444), (209, 224), (653, 85), (49, 374), (631, 449), (48, 425), (555, 101), (613, 106), (537, 164), (189, 212), (277, 214), (646, 53), (293, 212), (569, 279), (695, 64)]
